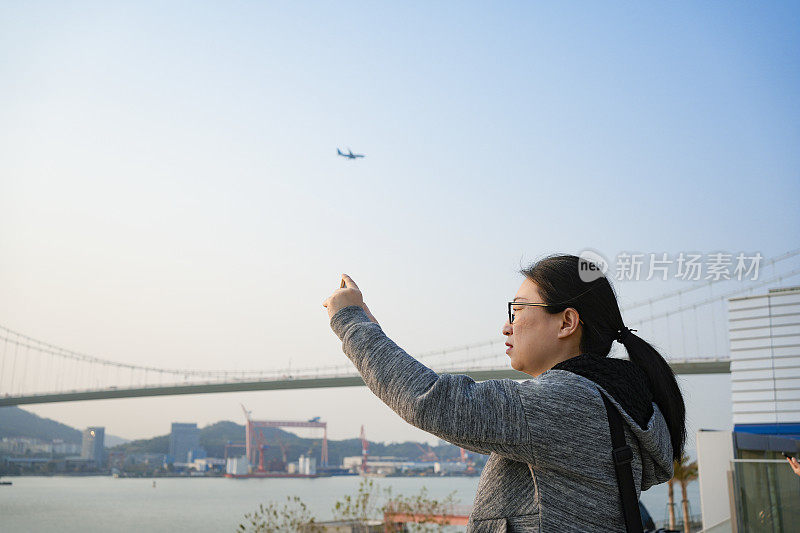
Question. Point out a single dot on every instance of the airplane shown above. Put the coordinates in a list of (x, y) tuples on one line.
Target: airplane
[(315, 419), (350, 155)]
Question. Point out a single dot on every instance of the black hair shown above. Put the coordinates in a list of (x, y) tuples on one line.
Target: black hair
[(561, 285)]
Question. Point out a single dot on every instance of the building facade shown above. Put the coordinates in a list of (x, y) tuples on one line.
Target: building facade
[(93, 447), (182, 440), (762, 490), (765, 362)]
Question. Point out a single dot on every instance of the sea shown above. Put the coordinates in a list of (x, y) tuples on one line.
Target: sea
[(105, 504)]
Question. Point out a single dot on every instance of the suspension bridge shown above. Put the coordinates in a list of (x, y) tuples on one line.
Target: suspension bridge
[(687, 325)]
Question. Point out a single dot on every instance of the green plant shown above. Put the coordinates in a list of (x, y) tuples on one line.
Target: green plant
[(424, 508), (292, 516), (362, 506)]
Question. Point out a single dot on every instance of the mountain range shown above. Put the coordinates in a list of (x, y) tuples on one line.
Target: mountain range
[(16, 422)]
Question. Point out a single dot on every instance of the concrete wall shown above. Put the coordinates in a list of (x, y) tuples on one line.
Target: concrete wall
[(714, 456)]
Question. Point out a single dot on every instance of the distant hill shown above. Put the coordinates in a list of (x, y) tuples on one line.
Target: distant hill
[(113, 440), (16, 422)]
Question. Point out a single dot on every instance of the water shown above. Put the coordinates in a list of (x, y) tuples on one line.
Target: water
[(87, 504)]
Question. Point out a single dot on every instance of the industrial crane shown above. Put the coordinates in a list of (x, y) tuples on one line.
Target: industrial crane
[(261, 443), (427, 455)]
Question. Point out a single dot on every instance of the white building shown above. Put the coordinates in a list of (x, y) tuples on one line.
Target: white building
[(237, 466), (307, 465), (745, 482), (385, 465), (449, 467), (208, 463), (765, 362), (65, 448)]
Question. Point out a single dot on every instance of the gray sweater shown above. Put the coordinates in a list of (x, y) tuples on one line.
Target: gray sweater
[(548, 440)]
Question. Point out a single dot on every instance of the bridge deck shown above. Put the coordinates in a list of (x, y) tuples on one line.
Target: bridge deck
[(688, 366)]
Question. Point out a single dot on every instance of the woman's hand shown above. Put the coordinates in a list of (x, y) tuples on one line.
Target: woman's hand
[(346, 296), (795, 465)]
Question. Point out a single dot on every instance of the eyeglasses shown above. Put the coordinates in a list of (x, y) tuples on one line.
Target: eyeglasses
[(511, 309)]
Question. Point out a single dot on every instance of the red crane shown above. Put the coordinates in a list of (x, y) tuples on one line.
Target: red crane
[(427, 455), (260, 443), (253, 426)]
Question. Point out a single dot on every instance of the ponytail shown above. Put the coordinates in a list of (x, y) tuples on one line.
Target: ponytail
[(666, 393)]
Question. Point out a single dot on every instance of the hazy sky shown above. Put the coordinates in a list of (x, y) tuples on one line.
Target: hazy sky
[(170, 193)]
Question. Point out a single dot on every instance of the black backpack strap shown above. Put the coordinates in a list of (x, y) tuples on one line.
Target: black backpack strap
[(622, 456)]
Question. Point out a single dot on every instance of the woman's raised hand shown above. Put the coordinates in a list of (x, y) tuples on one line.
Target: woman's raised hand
[(794, 464), (345, 296)]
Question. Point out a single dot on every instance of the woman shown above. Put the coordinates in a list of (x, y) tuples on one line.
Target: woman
[(548, 438)]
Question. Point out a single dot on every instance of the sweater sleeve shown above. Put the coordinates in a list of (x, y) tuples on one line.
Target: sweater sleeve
[(483, 417)]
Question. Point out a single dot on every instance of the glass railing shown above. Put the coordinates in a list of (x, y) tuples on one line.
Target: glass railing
[(767, 496)]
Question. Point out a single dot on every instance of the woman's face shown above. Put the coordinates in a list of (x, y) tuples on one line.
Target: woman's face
[(538, 340)]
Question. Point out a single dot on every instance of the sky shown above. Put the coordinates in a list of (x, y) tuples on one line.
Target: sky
[(170, 193)]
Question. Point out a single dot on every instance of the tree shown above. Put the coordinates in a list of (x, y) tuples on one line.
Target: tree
[(362, 506), (670, 487), (684, 473)]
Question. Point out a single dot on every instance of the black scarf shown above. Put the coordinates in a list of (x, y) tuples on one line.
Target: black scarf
[(622, 379)]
